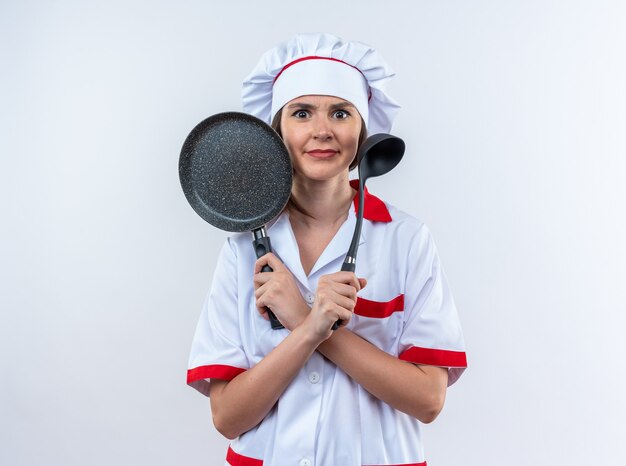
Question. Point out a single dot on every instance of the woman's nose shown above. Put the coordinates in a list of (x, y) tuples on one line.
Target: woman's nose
[(322, 129)]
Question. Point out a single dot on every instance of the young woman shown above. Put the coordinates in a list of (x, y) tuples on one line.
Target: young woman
[(305, 394)]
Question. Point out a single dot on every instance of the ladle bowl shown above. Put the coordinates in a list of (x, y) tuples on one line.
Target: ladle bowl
[(378, 155)]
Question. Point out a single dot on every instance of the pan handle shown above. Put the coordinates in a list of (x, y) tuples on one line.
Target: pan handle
[(262, 246)]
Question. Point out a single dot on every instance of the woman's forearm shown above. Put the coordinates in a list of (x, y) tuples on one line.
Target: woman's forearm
[(416, 390), (242, 403)]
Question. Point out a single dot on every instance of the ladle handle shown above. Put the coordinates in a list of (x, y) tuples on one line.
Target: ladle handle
[(349, 263), (262, 246)]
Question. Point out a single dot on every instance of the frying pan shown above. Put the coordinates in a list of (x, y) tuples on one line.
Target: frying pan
[(236, 173)]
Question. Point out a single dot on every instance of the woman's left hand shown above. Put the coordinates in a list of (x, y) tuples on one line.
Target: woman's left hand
[(278, 291)]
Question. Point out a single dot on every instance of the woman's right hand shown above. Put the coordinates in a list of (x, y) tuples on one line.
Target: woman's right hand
[(335, 299)]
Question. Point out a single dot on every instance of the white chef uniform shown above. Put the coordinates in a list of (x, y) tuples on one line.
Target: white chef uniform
[(324, 417)]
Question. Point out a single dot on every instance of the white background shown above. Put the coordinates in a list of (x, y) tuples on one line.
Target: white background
[(514, 119)]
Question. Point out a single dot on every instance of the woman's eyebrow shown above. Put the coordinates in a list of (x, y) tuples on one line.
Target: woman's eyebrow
[(302, 105), (307, 106), (341, 105)]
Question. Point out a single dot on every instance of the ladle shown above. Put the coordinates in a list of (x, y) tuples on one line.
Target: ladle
[(378, 155)]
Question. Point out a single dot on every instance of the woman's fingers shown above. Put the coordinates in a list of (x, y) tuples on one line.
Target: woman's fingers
[(258, 292), (337, 294), (260, 302), (348, 278), (335, 298), (345, 290), (261, 278), (268, 259), (343, 314), (279, 292), (329, 298), (261, 262)]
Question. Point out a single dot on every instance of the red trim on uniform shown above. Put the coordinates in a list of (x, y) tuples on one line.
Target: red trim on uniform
[(377, 309), (315, 57), (214, 371), (235, 459), (435, 357), (373, 208)]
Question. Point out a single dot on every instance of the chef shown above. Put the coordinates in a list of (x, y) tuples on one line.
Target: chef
[(307, 395)]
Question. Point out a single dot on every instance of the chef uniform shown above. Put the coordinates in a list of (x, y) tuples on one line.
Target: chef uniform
[(324, 418)]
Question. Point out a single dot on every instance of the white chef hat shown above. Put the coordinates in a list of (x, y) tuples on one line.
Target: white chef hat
[(322, 64)]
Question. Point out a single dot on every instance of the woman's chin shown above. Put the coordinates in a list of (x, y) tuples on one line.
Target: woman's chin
[(321, 171)]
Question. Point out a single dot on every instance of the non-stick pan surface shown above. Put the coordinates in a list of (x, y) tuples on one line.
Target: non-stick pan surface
[(235, 171)]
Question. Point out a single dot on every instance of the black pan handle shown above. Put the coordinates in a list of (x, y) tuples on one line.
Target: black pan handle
[(262, 246)]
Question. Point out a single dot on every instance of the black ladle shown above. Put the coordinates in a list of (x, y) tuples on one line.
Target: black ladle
[(378, 155)]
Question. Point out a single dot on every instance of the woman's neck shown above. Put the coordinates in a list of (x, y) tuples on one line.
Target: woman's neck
[(326, 202)]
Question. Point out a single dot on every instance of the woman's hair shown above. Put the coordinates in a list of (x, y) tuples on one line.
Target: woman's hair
[(362, 135)]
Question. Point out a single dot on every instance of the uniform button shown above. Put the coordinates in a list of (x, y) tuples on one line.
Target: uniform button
[(314, 377), (309, 298), (305, 462)]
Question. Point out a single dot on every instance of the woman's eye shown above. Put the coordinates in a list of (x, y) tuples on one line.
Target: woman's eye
[(341, 114), (301, 114)]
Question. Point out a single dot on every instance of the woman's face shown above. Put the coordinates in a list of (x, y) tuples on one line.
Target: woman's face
[(321, 133)]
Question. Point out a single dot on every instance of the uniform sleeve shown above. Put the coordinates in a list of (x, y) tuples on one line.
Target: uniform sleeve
[(432, 332), (216, 349)]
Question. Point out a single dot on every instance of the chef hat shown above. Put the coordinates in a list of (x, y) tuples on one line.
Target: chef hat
[(322, 64)]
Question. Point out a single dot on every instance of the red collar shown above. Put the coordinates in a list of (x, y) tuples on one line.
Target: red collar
[(373, 208)]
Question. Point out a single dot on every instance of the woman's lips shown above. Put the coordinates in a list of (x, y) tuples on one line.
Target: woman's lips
[(322, 153)]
